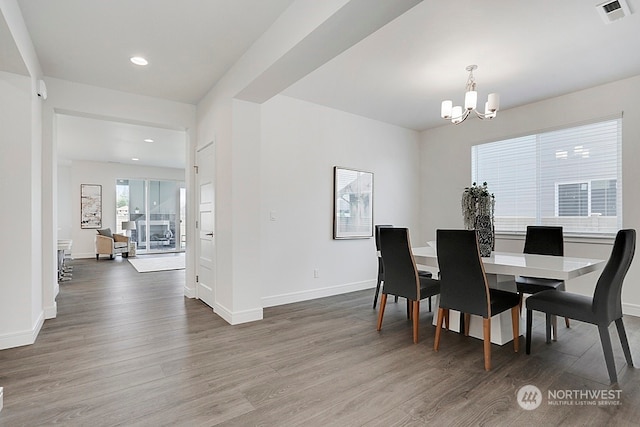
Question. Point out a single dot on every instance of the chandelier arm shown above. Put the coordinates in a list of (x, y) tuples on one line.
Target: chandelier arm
[(460, 119), (484, 116)]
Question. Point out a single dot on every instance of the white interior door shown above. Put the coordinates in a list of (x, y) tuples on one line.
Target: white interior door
[(205, 289)]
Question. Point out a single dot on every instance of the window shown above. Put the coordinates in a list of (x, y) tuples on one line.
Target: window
[(569, 177), (157, 208)]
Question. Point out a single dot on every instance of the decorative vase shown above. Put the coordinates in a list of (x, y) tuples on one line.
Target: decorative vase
[(477, 213), (484, 231)]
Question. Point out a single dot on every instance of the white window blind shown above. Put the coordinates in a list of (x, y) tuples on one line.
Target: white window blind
[(569, 177)]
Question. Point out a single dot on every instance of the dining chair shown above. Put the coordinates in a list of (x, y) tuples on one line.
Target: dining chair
[(381, 266), (401, 276), (464, 287), (604, 307), (542, 240)]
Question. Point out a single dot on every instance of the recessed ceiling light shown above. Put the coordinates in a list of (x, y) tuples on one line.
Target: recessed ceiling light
[(139, 60), (135, 159), (148, 140)]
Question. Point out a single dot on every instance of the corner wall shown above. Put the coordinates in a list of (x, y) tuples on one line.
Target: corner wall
[(301, 143)]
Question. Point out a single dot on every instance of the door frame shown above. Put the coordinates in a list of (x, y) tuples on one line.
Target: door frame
[(197, 219)]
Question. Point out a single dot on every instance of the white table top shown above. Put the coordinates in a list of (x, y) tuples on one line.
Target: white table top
[(518, 264)]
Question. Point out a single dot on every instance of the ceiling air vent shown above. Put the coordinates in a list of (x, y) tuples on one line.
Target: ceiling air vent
[(613, 10)]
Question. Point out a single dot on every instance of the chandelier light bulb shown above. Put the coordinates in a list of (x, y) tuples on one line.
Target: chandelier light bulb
[(445, 110), (493, 102), (456, 114), (471, 100)]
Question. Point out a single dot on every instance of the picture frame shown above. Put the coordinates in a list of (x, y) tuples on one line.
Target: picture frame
[(352, 203), (90, 206)]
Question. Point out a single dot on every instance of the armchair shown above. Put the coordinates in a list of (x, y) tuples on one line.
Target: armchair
[(111, 244)]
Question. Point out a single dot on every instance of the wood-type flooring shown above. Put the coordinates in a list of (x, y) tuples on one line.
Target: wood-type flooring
[(129, 349)]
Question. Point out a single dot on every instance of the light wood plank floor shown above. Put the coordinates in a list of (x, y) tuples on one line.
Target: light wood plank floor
[(128, 349)]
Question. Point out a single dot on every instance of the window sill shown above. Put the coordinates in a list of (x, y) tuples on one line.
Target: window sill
[(604, 239)]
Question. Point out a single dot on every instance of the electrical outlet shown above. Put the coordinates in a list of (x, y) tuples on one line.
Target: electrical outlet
[(316, 273)]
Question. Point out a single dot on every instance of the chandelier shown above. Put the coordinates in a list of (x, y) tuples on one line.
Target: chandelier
[(458, 115)]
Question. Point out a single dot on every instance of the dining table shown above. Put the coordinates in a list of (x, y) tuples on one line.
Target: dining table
[(501, 269)]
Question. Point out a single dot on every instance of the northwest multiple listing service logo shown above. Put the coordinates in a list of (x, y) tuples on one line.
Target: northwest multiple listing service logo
[(530, 397)]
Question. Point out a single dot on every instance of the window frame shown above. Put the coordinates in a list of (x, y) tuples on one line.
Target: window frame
[(603, 135)]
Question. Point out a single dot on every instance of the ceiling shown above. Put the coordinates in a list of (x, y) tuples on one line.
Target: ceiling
[(526, 51)]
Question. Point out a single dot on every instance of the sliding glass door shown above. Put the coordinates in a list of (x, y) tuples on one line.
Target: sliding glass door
[(156, 208)]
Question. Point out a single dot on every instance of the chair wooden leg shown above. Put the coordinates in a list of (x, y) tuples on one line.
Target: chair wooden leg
[(436, 341), (566, 322), (415, 313), (548, 327), (429, 304), (528, 337), (446, 318), (409, 309), (605, 339), (623, 340), (467, 321), (515, 321), (521, 301), (486, 327), (383, 303), (554, 328)]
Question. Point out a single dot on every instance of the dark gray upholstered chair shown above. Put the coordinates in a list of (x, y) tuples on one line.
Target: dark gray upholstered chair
[(464, 287), (603, 308), (381, 266), (542, 240), (401, 276)]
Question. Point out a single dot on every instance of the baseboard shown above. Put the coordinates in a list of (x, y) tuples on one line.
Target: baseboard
[(292, 297), (51, 312), (86, 255), (189, 292), (18, 339), (238, 317), (631, 309)]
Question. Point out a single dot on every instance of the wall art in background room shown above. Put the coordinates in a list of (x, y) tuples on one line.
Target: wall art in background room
[(352, 203), (90, 206)]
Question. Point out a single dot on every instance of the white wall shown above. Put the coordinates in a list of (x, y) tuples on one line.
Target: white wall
[(300, 40), (301, 143), (105, 174), (443, 180), (24, 299), (16, 294), (64, 202)]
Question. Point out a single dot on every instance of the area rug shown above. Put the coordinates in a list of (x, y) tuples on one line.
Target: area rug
[(160, 263)]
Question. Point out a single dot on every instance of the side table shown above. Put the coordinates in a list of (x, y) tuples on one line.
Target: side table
[(132, 248)]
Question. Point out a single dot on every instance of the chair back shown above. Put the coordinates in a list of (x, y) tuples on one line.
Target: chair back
[(463, 283), (607, 298), (400, 272), (544, 240), (377, 233)]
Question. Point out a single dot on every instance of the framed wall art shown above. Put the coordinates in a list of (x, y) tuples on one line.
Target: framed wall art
[(352, 203), (90, 206)]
